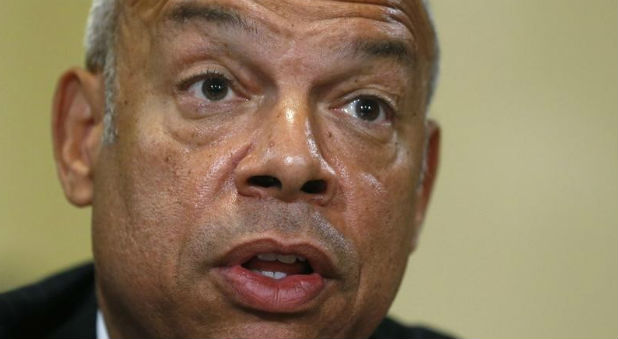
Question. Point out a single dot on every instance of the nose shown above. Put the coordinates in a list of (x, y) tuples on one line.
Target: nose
[(284, 161)]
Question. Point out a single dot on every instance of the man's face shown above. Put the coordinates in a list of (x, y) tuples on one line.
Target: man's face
[(266, 176)]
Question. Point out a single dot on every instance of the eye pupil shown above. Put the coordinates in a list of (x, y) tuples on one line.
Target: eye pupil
[(215, 88), (367, 109)]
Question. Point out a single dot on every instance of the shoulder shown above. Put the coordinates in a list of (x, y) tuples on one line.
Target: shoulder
[(390, 328), (63, 305)]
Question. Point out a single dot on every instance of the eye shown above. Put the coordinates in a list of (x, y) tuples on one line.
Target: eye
[(367, 108), (212, 87)]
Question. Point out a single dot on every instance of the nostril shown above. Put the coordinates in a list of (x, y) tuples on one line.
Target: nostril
[(264, 181), (314, 187)]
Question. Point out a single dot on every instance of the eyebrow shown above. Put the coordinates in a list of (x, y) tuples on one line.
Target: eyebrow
[(186, 12), (384, 48)]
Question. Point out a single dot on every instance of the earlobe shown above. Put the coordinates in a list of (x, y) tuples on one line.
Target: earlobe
[(76, 130)]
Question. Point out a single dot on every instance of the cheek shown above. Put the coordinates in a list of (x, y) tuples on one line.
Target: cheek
[(169, 166), (378, 187), (378, 183), (152, 199), (379, 221), (142, 222), (380, 213)]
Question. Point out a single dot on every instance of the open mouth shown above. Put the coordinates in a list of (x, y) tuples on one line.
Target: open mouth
[(278, 266), (268, 276)]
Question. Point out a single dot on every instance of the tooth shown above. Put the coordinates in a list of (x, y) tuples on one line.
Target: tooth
[(280, 275), (301, 259), (287, 259), (267, 256), (268, 274)]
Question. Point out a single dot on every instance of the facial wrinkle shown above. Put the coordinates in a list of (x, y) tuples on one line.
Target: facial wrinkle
[(210, 186), (281, 16), (321, 10), (318, 9), (406, 20), (212, 13), (409, 14), (285, 15), (148, 10)]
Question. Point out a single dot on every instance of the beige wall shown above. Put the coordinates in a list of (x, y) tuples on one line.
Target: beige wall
[(521, 240)]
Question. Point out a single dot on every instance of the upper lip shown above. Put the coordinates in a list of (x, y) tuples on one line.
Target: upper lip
[(318, 258)]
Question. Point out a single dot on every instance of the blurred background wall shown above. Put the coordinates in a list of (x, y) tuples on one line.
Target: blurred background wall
[(522, 236)]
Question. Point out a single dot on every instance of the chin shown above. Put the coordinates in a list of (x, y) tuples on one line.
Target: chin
[(267, 329)]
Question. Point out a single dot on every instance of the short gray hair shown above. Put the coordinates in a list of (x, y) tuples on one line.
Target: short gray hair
[(100, 42), (434, 70)]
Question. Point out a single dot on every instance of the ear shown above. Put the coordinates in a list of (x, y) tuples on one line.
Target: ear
[(77, 124), (430, 170)]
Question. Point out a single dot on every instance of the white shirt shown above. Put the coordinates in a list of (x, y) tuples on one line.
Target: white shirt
[(101, 328)]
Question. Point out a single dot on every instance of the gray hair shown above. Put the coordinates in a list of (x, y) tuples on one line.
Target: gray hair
[(434, 70), (100, 42)]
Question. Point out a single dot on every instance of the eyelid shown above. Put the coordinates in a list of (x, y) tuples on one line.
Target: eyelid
[(185, 84), (387, 104), (386, 99), (198, 75), (385, 114), (392, 104)]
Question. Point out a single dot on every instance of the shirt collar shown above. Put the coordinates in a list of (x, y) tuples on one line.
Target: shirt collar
[(101, 328)]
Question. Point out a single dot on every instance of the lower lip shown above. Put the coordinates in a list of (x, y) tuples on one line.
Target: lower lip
[(290, 294)]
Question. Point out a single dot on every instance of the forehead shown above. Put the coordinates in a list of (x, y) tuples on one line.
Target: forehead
[(280, 16), (411, 8)]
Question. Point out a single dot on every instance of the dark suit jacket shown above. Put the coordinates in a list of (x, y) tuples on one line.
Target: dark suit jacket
[(64, 306)]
